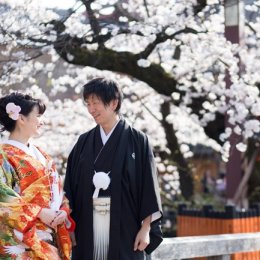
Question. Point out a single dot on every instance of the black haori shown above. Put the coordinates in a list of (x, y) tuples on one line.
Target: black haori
[(133, 190)]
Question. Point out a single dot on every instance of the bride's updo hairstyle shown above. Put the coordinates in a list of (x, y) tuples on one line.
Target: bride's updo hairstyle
[(14, 104)]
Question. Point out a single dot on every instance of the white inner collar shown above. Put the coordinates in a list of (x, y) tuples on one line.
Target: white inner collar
[(30, 150), (105, 136)]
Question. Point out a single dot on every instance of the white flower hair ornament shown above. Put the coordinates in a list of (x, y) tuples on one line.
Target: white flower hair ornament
[(13, 110)]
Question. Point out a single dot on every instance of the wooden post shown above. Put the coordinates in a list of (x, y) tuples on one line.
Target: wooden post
[(233, 32)]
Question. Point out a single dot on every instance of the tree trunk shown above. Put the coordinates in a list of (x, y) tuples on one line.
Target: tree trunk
[(186, 181)]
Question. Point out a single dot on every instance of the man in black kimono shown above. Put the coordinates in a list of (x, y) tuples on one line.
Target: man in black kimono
[(112, 162)]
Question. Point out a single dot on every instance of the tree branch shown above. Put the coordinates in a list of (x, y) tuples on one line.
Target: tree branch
[(186, 181), (146, 8), (121, 11), (251, 27), (162, 37), (245, 178), (201, 4), (122, 62), (93, 22)]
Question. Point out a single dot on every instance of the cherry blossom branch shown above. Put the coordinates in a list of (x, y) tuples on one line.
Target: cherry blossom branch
[(93, 21), (162, 37)]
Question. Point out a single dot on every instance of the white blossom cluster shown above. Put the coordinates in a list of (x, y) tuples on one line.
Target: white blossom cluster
[(169, 180), (27, 53)]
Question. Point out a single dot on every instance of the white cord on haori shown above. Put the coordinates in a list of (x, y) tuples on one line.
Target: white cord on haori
[(101, 180)]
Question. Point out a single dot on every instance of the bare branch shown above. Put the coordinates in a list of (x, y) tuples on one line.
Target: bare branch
[(251, 27), (244, 181), (146, 107), (146, 8), (201, 4), (39, 54), (162, 37), (71, 12), (121, 11), (93, 22)]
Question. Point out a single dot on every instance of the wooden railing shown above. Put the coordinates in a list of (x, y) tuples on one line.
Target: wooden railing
[(217, 247)]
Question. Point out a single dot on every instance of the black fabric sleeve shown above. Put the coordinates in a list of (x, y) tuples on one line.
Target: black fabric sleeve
[(150, 198), (71, 177), (68, 182)]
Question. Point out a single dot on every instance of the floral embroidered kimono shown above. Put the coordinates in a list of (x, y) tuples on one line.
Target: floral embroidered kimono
[(29, 182)]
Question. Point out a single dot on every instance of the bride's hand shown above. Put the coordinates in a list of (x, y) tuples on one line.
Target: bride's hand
[(52, 218), (60, 218), (46, 216)]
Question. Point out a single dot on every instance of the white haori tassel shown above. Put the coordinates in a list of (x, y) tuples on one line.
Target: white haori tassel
[(101, 180), (101, 226)]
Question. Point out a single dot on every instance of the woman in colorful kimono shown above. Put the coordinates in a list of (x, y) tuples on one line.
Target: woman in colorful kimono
[(34, 214)]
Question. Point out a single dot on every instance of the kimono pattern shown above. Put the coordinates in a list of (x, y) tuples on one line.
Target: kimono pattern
[(25, 188)]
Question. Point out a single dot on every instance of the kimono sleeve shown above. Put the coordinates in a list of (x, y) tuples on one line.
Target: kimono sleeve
[(71, 181), (150, 199), (68, 182), (14, 211)]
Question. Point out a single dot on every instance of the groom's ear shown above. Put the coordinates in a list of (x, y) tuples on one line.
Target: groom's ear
[(114, 104)]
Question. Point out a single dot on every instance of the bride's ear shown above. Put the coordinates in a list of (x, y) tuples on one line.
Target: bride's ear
[(21, 119)]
